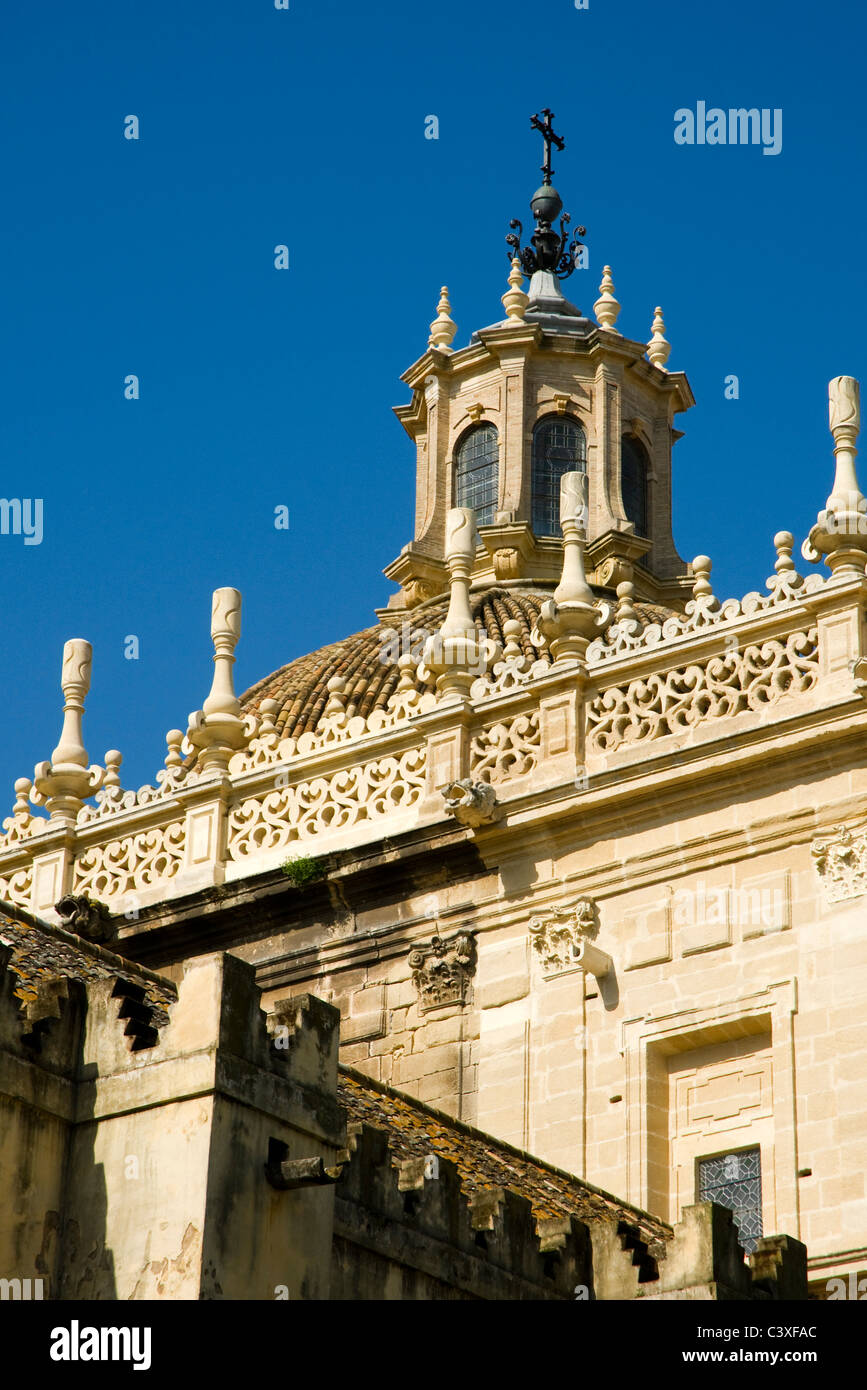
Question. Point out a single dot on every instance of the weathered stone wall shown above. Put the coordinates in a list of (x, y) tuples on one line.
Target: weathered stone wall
[(208, 1158), (141, 1174)]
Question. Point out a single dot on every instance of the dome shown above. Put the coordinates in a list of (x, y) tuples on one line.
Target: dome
[(368, 663)]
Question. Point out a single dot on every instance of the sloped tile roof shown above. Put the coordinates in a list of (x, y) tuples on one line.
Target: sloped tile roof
[(371, 675), (416, 1130), (41, 951)]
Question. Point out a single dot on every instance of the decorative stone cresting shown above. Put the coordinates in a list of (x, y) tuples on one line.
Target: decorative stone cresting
[(442, 971), (325, 805), (506, 750), (726, 685), (841, 863), (135, 861), (514, 669), (22, 823), (704, 609), (112, 800)]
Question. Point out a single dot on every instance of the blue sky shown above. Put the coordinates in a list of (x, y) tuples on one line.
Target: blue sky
[(261, 387)]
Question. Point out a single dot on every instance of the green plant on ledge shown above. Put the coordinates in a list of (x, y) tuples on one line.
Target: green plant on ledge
[(303, 870)]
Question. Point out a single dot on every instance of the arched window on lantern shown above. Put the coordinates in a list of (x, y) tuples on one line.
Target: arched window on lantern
[(634, 469), (559, 446), (476, 472)]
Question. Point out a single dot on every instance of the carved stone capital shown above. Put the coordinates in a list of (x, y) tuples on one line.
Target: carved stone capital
[(559, 935), (441, 972), (841, 863)]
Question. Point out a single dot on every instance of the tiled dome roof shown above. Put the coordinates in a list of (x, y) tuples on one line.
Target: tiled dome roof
[(368, 664)]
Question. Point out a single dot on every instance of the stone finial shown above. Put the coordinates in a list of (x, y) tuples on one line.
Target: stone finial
[(658, 348), (174, 740), (21, 808), (113, 760), (785, 581), (569, 619), (844, 409), (625, 607), (218, 730), (443, 328), (515, 301), (456, 653), (17, 826), (784, 544), (573, 523), (512, 630), (225, 632), (336, 702), (704, 604), (268, 711), (64, 782), (701, 568), (606, 307), (406, 665), (840, 533)]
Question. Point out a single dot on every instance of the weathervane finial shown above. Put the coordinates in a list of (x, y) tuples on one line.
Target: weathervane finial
[(549, 250)]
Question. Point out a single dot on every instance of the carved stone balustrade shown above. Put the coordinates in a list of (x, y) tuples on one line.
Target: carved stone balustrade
[(641, 705)]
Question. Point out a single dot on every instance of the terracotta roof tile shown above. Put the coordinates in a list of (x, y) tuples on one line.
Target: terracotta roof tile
[(41, 952), (300, 688), (416, 1130)]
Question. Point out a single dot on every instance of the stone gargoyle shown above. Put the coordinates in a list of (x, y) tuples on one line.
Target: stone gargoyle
[(471, 803)]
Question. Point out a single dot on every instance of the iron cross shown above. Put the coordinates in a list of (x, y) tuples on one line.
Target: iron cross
[(550, 139)]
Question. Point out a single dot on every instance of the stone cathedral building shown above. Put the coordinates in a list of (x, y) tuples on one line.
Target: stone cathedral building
[(574, 852)]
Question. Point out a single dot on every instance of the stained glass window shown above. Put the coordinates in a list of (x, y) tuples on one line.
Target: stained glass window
[(476, 468), (633, 483), (559, 447), (735, 1181)]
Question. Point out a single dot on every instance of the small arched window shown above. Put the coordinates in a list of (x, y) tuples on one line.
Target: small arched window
[(633, 483), (559, 446), (476, 472)]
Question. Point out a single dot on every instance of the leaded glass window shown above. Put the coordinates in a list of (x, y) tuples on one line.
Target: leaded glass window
[(735, 1181), (633, 483), (476, 469), (559, 447)]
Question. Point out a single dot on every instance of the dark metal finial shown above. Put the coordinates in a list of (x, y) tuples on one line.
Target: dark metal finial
[(550, 139), (549, 250)]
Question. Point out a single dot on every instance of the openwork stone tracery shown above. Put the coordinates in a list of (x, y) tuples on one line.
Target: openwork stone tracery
[(721, 687)]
